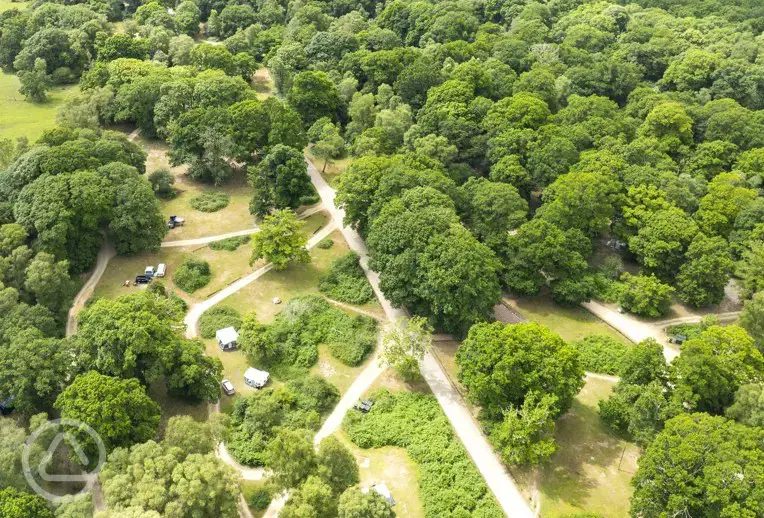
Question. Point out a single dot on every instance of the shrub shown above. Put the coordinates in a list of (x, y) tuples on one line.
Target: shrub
[(192, 275), (230, 244), (600, 353), (346, 281), (259, 499), (162, 181), (306, 322), (450, 484), (257, 417), (210, 201), (326, 244), (218, 317), (645, 295)]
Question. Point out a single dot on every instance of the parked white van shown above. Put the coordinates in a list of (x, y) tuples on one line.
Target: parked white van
[(160, 270)]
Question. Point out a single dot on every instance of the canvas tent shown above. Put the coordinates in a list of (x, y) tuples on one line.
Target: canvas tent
[(226, 338), (255, 378)]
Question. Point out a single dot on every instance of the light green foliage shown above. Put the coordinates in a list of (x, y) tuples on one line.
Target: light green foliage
[(293, 409), (685, 467), (18, 504), (345, 281), (280, 241), (416, 422), (192, 275), (600, 353), (750, 268), (180, 483), (538, 360), (752, 319), (35, 82), (353, 503), (218, 317), (210, 201), (336, 465), (118, 410), (645, 295), (748, 407), (525, 435), (704, 275), (404, 345)]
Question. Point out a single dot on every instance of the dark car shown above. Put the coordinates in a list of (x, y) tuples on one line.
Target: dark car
[(6, 405), (142, 279), (364, 405)]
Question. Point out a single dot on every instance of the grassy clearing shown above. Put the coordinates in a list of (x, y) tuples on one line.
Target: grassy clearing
[(172, 406), (571, 323), (394, 467), (263, 84), (336, 372), (6, 5), (248, 488), (235, 216), (592, 468), (20, 117)]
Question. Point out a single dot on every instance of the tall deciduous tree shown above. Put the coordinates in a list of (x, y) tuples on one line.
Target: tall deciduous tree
[(280, 181), (280, 240), (501, 364), (354, 503), (404, 345)]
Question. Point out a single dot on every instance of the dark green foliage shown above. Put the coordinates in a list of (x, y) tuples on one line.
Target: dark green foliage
[(645, 295), (192, 275), (600, 353), (257, 417), (218, 317), (260, 499), (346, 281), (447, 478), (230, 244), (162, 181), (210, 201), (326, 244)]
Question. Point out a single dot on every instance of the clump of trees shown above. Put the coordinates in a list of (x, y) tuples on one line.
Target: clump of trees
[(193, 274), (345, 281), (523, 376)]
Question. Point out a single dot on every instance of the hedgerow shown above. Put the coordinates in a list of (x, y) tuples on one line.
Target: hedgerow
[(600, 353), (210, 201), (308, 321), (346, 281), (256, 418), (218, 317), (230, 244), (450, 485), (192, 275)]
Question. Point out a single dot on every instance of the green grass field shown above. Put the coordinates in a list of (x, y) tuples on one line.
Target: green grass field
[(20, 117), (571, 323), (591, 470), (5, 5)]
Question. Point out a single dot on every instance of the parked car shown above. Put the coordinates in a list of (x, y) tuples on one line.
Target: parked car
[(364, 405), (149, 271), (161, 269), (175, 221), (142, 279), (256, 378), (228, 389)]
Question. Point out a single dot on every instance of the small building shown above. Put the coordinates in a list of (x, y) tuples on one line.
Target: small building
[(256, 378), (227, 338)]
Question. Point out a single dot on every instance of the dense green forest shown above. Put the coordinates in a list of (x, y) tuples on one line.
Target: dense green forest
[(527, 146)]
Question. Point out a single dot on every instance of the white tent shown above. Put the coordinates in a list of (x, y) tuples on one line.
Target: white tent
[(255, 378), (382, 489), (227, 338)]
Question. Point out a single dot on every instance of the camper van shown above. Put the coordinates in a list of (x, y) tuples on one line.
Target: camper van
[(161, 269)]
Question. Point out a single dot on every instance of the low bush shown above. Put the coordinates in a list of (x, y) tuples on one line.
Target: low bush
[(210, 201), (258, 496), (257, 417), (449, 483), (346, 282), (600, 353), (230, 244), (192, 275), (303, 324), (218, 317), (326, 244)]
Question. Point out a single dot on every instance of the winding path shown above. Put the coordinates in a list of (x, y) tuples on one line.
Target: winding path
[(498, 480)]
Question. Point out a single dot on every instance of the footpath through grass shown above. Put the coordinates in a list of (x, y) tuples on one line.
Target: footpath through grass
[(20, 117)]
